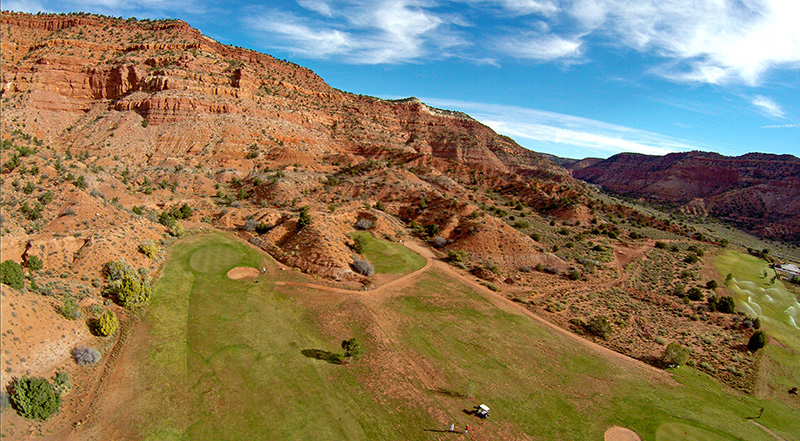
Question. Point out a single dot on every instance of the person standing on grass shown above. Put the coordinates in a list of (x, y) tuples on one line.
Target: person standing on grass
[(452, 427), (466, 430)]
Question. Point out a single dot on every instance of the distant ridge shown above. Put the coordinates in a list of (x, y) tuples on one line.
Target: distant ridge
[(759, 192)]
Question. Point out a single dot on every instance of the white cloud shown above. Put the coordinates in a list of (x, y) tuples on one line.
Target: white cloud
[(369, 32), (782, 126), (545, 48), (768, 106), (709, 41), (578, 137)]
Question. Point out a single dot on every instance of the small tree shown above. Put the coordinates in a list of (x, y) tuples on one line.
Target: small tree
[(304, 219), (712, 285), (11, 274), (726, 304), (352, 349), (34, 398), (757, 341), (149, 248), (107, 324), (676, 355)]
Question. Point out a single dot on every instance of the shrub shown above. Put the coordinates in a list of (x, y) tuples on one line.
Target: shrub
[(694, 293), (521, 224), (125, 284), (69, 309), (676, 355), (11, 274), (61, 383), (712, 285), (661, 245), (359, 242), (524, 269), (691, 258), (84, 355), (304, 219), (363, 267), (439, 241), (599, 326), (757, 341), (363, 224), (250, 225), (456, 256), (34, 263), (536, 236), (149, 248), (575, 275), (726, 304), (107, 324), (34, 398)]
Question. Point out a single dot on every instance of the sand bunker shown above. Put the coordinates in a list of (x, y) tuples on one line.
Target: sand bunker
[(617, 433), (243, 272)]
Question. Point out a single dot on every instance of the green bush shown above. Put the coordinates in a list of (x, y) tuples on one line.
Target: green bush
[(757, 341), (107, 324), (61, 383), (712, 285), (726, 304), (304, 219), (126, 285), (575, 275), (676, 355), (69, 309), (694, 293), (34, 398), (11, 274), (34, 263), (150, 249), (600, 327)]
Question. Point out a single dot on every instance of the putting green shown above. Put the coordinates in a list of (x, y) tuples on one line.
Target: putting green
[(685, 432), (214, 259)]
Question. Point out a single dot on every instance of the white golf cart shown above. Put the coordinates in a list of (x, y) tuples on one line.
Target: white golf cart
[(482, 411)]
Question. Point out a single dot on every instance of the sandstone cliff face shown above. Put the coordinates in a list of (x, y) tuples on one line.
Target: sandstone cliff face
[(759, 192), (139, 89)]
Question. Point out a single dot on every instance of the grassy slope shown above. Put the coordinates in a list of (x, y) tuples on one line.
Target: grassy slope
[(387, 257), (238, 346)]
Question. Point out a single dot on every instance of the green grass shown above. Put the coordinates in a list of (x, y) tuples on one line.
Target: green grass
[(779, 312), (225, 360), (682, 432), (387, 257)]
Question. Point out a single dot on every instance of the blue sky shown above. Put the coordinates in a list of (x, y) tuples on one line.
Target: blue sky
[(575, 78)]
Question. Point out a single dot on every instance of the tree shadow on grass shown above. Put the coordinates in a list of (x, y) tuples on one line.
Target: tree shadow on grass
[(319, 354)]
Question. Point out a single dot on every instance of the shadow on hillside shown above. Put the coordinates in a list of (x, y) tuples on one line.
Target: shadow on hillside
[(319, 354)]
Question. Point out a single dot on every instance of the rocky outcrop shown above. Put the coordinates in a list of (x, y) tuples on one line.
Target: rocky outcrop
[(758, 192), (88, 72)]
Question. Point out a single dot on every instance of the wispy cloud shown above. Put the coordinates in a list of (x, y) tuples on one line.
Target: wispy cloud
[(768, 106), (363, 31), (569, 135), (543, 48), (782, 126)]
